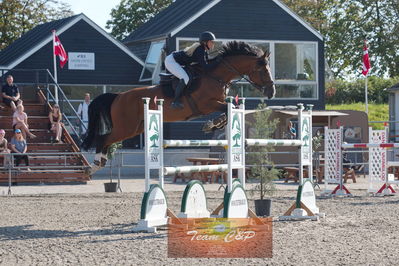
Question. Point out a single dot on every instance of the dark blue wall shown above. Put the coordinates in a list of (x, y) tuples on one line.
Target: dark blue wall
[(112, 65), (255, 20)]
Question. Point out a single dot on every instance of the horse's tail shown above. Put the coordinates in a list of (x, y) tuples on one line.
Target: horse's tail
[(100, 122)]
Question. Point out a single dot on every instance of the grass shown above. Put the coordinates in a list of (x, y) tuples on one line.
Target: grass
[(377, 112)]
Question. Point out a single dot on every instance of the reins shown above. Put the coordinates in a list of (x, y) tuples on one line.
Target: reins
[(231, 68)]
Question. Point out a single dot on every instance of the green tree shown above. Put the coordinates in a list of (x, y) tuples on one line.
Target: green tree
[(262, 127), (346, 23), (131, 14), (19, 16)]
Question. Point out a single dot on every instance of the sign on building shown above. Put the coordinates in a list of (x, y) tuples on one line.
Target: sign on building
[(81, 61)]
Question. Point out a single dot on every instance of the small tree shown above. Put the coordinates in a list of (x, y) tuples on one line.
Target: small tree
[(110, 154), (263, 128)]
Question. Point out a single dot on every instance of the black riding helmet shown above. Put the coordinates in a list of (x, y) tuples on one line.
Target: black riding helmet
[(207, 36)]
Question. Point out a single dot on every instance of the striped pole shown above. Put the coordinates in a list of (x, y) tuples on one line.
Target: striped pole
[(273, 142), (194, 169), (370, 145), (193, 143)]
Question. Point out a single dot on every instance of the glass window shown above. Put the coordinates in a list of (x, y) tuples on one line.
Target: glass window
[(244, 89), (296, 91), (295, 61), (152, 60)]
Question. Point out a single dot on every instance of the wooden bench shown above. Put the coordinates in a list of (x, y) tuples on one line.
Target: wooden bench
[(293, 173)]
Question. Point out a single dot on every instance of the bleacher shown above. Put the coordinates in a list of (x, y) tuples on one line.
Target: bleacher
[(49, 162)]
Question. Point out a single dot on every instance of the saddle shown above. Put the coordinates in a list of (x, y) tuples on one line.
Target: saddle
[(168, 82)]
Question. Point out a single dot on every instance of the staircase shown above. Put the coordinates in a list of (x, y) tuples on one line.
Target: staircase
[(48, 163)]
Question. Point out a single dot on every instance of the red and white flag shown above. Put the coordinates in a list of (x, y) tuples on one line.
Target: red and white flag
[(366, 60), (60, 51)]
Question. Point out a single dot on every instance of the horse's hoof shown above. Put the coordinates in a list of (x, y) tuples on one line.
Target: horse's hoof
[(88, 171), (94, 168), (103, 162), (208, 127)]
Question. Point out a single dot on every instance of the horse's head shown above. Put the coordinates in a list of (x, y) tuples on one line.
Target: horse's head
[(261, 76), (254, 64)]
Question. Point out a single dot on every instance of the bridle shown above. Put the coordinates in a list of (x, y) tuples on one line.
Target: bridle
[(259, 87)]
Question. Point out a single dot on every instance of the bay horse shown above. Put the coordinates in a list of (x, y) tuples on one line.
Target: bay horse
[(116, 117)]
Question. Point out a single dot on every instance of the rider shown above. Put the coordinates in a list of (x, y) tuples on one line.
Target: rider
[(196, 53)]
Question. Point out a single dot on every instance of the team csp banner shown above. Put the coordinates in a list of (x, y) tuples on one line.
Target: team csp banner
[(221, 238)]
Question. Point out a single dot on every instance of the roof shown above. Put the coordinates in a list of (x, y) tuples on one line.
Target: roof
[(175, 15), (181, 13), (30, 39), (39, 36), (393, 88)]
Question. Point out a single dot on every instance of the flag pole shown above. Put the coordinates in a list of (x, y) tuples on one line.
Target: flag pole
[(366, 95), (55, 71)]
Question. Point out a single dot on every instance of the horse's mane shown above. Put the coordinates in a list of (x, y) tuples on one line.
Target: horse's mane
[(240, 48)]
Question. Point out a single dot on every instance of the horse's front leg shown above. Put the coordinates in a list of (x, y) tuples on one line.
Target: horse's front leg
[(220, 121)]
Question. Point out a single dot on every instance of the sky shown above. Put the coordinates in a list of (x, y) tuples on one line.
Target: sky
[(97, 10)]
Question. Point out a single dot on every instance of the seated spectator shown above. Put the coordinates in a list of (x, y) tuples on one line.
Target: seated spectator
[(55, 124), (19, 147), (4, 151), (20, 121), (11, 95)]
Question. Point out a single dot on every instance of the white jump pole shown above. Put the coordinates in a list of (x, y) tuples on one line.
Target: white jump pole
[(153, 122)]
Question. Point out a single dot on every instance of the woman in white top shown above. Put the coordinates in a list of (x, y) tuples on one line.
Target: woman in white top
[(20, 121)]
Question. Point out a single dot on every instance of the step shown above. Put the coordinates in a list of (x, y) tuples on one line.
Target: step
[(45, 177), (34, 112), (65, 147), (59, 162), (55, 162), (35, 122)]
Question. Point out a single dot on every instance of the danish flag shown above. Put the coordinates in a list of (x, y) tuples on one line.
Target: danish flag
[(60, 51), (366, 60)]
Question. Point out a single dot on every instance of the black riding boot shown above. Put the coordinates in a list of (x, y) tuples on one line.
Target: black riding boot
[(176, 104)]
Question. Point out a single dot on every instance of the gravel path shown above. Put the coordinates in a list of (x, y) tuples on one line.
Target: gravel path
[(86, 229)]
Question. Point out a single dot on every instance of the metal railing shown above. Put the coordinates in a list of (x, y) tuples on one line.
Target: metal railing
[(76, 126), (12, 169)]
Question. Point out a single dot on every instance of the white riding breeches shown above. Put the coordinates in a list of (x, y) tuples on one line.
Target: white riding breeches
[(175, 68)]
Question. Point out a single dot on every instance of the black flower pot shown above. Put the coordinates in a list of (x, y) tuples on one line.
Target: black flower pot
[(263, 207), (111, 187)]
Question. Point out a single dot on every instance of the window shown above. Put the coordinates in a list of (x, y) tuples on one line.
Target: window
[(293, 64), (295, 70), (152, 62)]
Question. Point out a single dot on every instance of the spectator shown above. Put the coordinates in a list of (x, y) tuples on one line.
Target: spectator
[(4, 151), (11, 96), (20, 121), (55, 124), (19, 146), (291, 130), (83, 112)]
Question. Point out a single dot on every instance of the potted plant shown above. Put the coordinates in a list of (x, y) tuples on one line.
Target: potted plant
[(263, 170), (112, 186)]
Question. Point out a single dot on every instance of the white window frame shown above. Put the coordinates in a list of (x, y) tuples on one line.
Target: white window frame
[(272, 64), (157, 68), (298, 82)]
